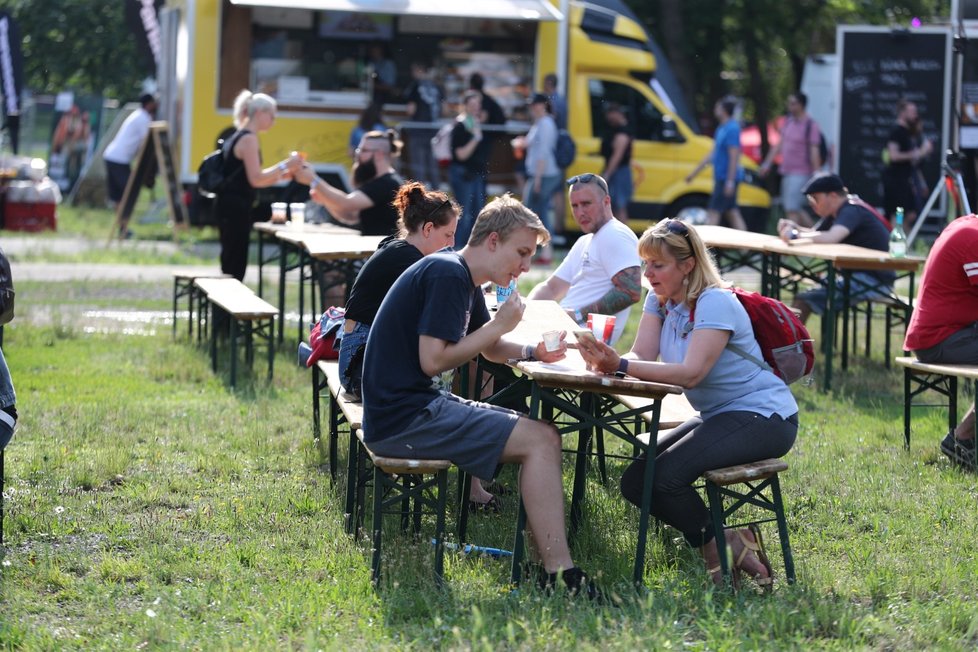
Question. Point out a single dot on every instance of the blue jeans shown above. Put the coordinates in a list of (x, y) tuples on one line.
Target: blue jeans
[(470, 193), (539, 202), (349, 344), (422, 163), (862, 287), (7, 395)]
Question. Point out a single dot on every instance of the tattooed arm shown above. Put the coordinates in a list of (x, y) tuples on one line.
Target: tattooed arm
[(626, 290)]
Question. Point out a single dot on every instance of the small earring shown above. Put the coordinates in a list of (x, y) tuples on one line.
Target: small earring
[(685, 281)]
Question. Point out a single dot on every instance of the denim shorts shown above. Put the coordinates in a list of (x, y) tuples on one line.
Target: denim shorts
[(863, 287), (352, 341), (719, 201)]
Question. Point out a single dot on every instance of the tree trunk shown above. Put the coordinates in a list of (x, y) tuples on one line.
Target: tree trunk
[(673, 30)]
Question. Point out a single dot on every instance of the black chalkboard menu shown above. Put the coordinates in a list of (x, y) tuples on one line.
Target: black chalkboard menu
[(879, 66)]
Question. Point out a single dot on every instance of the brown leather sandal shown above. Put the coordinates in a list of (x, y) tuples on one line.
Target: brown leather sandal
[(757, 547)]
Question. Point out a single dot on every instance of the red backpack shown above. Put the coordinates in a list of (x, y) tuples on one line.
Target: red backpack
[(787, 347)]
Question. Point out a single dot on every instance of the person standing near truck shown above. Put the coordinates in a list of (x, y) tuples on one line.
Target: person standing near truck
[(424, 100), (800, 158), (725, 158), (122, 150)]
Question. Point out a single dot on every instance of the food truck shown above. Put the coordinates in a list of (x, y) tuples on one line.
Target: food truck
[(313, 56)]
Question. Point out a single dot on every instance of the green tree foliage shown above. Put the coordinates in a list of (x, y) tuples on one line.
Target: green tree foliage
[(756, 49), (82, 45)]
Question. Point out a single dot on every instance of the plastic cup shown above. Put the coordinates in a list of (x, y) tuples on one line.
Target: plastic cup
[(603, 326), (298, 212), (503, 292), (278, 212), (551, 340)]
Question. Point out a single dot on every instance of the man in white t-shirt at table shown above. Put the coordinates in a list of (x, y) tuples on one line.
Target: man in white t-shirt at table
[(122, 150), (602, 272)]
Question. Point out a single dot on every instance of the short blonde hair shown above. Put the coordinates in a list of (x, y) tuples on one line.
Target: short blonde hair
[(681, 241), (506, 215), (247, 104)]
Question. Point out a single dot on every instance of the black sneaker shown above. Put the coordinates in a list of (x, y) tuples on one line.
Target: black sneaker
[(577, 583), (959, 451)]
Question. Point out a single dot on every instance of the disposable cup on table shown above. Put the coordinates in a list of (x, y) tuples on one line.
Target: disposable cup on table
[(551, 340), (298, 212), (278, 212), (603, 326)]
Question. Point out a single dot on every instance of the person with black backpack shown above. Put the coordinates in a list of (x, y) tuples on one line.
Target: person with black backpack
[(801, 150), (747, 412), (254, 113)]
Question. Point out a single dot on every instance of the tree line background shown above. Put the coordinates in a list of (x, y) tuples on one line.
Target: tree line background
[(754, 49)]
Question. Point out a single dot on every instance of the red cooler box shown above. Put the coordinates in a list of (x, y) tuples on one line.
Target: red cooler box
[(21, 216)]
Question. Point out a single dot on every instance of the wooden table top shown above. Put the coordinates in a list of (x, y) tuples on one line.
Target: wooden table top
[(272, 228), (846, 256), (722, 237), (331, 246)]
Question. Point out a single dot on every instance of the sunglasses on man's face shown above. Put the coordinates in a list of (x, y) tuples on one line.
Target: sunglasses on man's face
[(589, 178)]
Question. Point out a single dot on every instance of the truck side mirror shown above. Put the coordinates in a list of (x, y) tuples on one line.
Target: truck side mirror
[(670, 132)]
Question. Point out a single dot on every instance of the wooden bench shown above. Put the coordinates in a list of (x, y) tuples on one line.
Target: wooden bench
[(245, 308), (183, 286), (918, 377), (401, 483), (344, 412), (763, 491)]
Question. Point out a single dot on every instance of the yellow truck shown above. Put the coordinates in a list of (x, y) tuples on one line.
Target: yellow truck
[(314, 57)]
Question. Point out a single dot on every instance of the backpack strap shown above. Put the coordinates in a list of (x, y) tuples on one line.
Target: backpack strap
[(739, 350), (855, 200)]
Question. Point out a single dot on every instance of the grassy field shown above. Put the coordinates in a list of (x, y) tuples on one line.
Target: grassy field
[(149, 507)]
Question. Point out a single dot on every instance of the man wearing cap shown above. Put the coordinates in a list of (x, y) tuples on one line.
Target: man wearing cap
[(602, 271), (122, 150), (542, 172), (847, 219)]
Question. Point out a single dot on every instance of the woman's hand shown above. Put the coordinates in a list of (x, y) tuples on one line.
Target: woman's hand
[(599, 356)]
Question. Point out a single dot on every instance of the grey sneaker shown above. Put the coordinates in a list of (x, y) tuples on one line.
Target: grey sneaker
[(959, 451)]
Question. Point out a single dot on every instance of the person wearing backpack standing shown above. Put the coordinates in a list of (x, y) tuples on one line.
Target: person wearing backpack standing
[(542, 171), (747, 413), (847, 219), (800, 150), (254, 114)]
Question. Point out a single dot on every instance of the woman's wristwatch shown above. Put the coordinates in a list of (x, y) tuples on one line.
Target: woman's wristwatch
[(622, 368)]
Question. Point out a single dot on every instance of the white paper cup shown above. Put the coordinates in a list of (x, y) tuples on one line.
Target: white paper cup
[(551, 340), (298, 212)]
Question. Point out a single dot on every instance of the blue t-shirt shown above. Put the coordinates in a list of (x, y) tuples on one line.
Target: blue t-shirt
[(727, 136), (436, 297), (734, 383)]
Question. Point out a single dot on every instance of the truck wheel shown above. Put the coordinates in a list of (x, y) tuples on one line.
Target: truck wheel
[(690, 208)]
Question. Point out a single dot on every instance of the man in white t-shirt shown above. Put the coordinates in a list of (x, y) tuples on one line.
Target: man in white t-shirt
[(122, 150), (602, 272)]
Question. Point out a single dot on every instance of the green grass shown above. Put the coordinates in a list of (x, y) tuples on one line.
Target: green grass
[(150, 507)]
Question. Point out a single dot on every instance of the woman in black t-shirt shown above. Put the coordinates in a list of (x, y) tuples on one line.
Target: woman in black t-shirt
[(426, 224), (254, 113)]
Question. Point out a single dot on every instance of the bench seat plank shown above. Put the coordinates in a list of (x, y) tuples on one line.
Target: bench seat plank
[(944, 369), (236, 298), (746, 472), (403, 466), (351, 409)]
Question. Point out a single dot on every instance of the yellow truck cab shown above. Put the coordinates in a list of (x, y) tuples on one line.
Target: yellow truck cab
[(313, 56)]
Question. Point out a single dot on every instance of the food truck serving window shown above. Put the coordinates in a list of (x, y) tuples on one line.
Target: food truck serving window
[(338, 54)]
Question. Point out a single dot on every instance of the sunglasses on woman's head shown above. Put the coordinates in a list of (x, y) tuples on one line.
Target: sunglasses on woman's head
[(679, 228)]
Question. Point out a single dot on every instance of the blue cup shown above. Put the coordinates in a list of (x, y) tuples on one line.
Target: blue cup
[(503, 292)]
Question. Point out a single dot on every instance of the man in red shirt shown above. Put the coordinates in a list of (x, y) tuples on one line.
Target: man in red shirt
[(944, 325)]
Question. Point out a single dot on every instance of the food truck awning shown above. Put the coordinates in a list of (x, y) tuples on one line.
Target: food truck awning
[(539, 10)]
